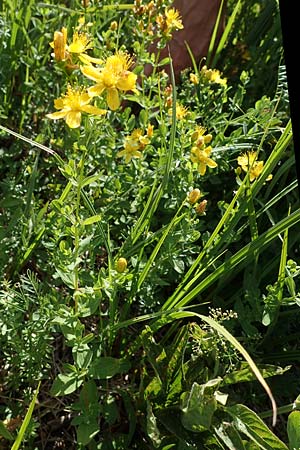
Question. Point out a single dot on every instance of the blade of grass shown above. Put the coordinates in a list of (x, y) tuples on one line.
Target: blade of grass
[(35, 144), (238, 260), (26, 420), (212, 42), (179, 290), (212, 62)]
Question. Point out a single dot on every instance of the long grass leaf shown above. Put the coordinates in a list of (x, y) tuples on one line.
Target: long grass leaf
[(212, 42), (239, 259), (26, 420), (225, 34), (34, 144)]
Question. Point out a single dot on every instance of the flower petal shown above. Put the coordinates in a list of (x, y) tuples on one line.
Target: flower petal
[(73, 119), (210, 163), (86, 59), (91, 72), (113, 99), (202, 168), (57, 115), (90, 109), (127, 81), (96, 90)]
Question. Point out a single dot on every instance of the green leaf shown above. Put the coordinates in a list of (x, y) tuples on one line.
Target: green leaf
[(88, 397), (67, 277), (246, 374), (65, 384), (293, 430), (230, 436), (152, 429), (110, 410), (92, 219), (107, 367), (90, 179), (86, 431), (248, 423), (82, 355), (88, 304), (198, 406), (5, 432)]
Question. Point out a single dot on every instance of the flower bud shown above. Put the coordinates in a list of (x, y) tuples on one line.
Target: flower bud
[(207, 138), (194, 196), (200, 209), (114, 25), (121, 265), (59, 44), (150, 130)]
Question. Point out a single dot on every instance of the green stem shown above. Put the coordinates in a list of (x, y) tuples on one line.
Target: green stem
[(77, 228)]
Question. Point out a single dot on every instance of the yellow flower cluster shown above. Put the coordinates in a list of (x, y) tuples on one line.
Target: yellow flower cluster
[(200, 153), (248, 162), (113, 77), (156, 20), (135, 143), (169, 21), (212, 76)]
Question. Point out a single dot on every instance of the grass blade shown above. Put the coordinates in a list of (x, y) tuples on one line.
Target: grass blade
[(26, 420)]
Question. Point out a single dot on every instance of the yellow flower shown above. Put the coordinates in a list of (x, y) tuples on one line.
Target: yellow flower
[(213, 76), (202, 159), (71, 105), (133, 145), (181, 111), (200, 137), (112, 78), (80, 44), (173, 20), (194, 78), (248, 162)]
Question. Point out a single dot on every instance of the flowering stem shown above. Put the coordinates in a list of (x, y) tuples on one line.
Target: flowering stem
[(77, 228)]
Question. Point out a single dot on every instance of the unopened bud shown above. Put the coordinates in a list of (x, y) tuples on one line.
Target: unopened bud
[(121, 265), (207, 138), (114, 25), (194, 196), (150, 130), (200, 209), (59, 46)]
